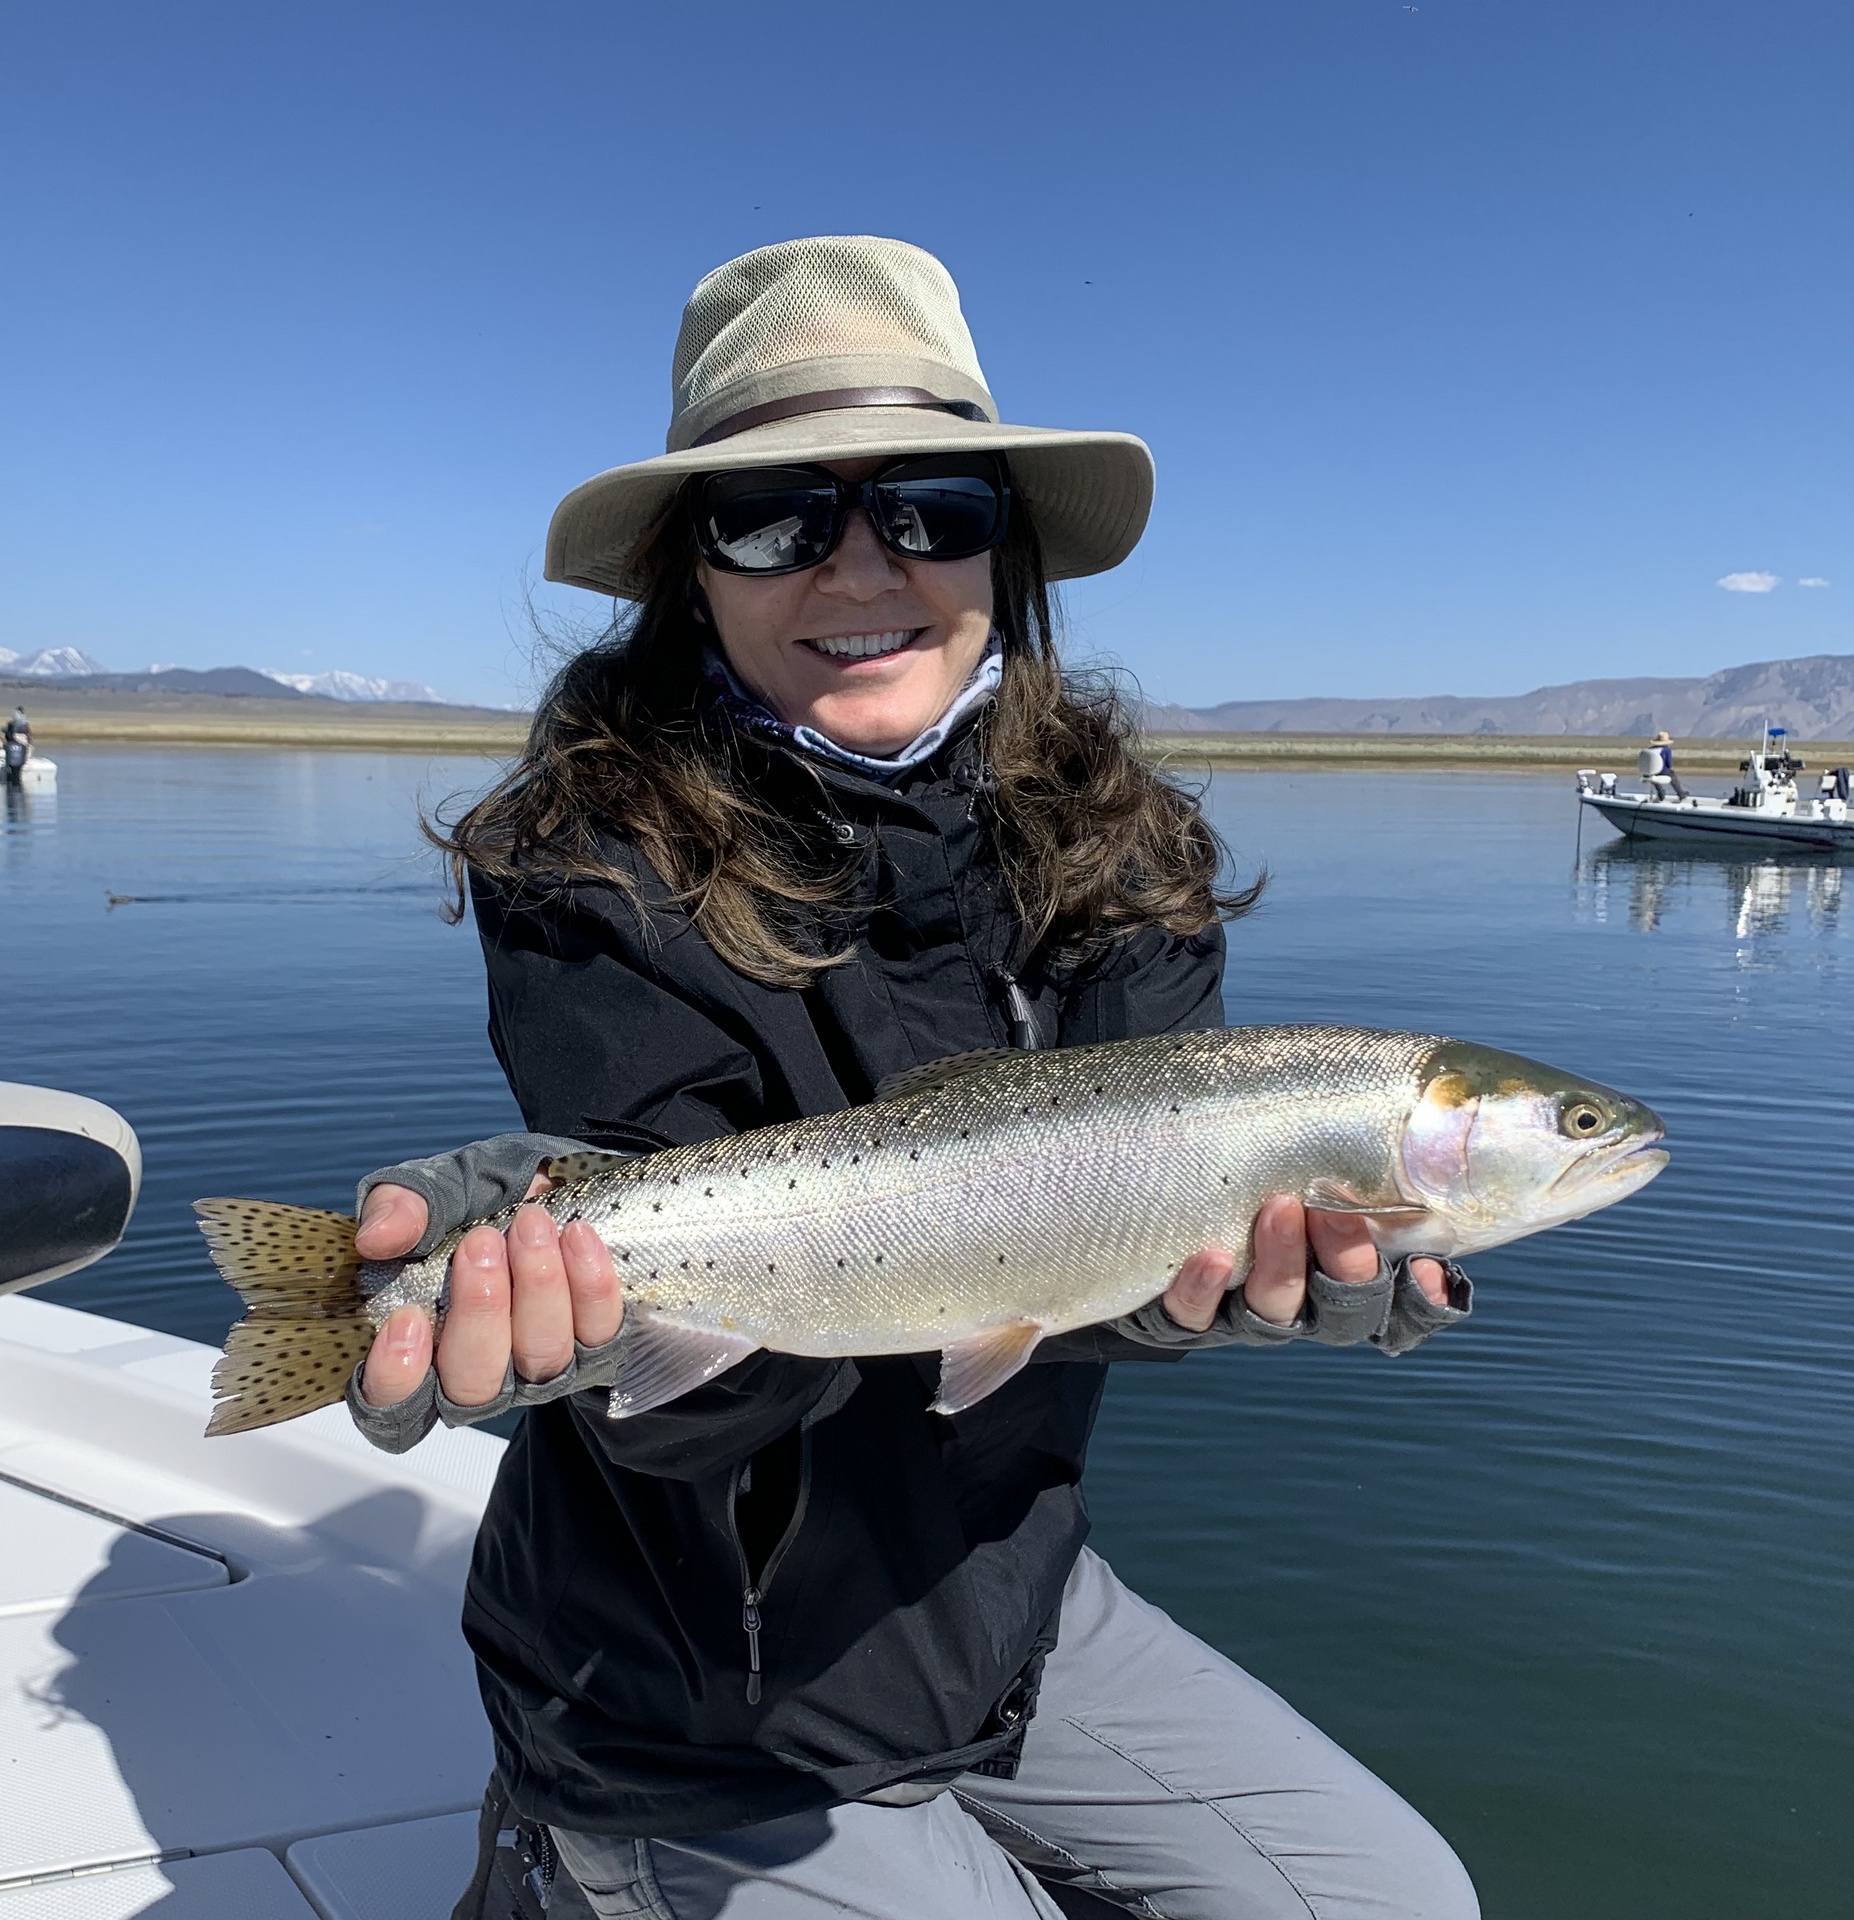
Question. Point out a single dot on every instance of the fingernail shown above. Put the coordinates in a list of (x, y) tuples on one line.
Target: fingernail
[(532, 1227)]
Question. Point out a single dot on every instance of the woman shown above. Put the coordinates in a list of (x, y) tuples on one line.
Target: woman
[(823, 809)]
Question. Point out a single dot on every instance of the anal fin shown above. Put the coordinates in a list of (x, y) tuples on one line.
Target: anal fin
[(1326, 1195), (982, 1362), (663, 1361)]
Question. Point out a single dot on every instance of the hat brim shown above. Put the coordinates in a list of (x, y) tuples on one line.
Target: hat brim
[(1089, 493)]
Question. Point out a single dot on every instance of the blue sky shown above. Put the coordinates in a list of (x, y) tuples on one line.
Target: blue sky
[(1476, 342)]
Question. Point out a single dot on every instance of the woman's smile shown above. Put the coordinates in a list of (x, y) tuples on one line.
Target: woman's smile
[(849, 647)]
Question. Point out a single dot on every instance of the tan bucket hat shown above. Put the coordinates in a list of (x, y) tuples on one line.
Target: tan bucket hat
[(839, 349)]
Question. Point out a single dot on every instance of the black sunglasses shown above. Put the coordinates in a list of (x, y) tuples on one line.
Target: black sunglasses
[(768, 520)]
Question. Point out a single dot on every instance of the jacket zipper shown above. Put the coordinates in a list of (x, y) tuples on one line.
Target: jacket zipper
[(752, 1592), (1018, 1011)]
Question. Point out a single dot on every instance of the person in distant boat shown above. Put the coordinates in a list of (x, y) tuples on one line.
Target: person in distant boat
[(824, 807), (1664, 741), (18, 748)]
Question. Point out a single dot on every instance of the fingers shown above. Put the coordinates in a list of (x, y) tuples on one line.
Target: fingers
[(391, 1221), (1198, 1288), (1276, 1288), (541, 1308), (592, 1281), (1433, 1279), (398, 1358), (1343, 1248), (473, 1349)]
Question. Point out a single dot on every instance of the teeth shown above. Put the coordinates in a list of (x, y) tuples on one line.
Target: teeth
[(862, 646)]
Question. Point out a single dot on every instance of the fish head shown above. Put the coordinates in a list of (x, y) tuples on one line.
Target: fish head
[(1498, 1146)]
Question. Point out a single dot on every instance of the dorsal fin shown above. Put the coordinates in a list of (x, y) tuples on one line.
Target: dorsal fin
[(565, 1168), (938, 1072)]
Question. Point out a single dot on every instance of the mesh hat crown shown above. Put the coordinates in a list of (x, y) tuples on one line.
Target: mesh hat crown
[(834, 349)]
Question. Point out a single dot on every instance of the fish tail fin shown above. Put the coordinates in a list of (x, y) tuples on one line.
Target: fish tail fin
[(305, 1322)]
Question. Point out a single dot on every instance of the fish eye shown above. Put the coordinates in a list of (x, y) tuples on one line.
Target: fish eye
[(1581, 1119)]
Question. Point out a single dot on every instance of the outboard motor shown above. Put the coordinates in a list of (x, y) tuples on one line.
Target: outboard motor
[(18, 752), (70, 1170)]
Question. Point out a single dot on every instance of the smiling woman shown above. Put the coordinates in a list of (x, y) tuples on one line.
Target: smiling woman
[(824, 808)]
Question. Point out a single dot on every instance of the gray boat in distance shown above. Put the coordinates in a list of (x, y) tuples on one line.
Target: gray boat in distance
[(1765, 808)]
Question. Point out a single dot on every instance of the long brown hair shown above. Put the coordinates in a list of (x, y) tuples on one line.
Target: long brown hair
[(1094, 843)]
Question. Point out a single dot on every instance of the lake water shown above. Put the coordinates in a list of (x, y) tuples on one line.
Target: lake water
[(1576, 1578)]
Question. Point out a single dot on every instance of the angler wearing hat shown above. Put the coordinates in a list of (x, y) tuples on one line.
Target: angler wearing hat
[(822, 808), (1664, 741)]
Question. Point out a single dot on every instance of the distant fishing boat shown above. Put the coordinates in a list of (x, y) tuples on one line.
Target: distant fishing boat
[(1765, 807)]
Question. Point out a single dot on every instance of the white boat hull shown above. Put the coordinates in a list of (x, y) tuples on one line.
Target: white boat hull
[(1645, 819)]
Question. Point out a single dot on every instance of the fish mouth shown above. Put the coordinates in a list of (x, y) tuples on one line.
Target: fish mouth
[(1604, 1166)]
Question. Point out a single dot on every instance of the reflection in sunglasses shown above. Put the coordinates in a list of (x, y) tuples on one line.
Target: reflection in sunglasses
[(764, 547)]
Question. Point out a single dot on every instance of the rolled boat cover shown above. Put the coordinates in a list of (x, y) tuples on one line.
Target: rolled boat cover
[(70, 1169)]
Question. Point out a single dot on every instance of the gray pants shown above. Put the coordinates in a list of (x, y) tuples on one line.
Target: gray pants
[(1156, 1776)]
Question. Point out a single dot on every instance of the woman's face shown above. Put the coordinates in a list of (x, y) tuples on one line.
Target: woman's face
[(919, 627)]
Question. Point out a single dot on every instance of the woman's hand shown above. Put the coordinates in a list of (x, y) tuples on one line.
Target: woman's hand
[(1276, 1289), (527, 1297)]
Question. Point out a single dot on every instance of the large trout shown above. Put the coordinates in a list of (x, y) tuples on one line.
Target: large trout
[(980, 1205)]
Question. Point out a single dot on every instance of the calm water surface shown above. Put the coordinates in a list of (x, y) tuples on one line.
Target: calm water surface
[(1576, 1578)]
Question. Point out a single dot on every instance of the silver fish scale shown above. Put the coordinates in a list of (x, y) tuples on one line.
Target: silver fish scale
[(1062, 1187)]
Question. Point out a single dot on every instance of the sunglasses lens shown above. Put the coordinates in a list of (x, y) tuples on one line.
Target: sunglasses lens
[(940, 509), (765, 520)]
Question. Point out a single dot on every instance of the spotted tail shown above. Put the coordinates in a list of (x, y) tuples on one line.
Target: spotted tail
[(305, 1324)]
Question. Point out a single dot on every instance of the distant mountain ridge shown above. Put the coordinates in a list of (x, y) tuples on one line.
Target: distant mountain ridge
[(342, 685), (70, 667), (1813, 696), (48, 662)]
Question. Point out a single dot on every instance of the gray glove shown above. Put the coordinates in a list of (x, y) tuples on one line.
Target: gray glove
[(1390, 1311), (472, 1184)]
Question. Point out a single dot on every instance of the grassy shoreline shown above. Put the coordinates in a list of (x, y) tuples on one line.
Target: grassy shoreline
[(218, 720), (1505, 753)]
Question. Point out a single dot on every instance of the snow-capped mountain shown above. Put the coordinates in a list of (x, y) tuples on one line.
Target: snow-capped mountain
[(341, 685), (49, 662)]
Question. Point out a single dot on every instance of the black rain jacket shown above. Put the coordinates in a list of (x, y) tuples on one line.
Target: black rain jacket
[(893, 1574)]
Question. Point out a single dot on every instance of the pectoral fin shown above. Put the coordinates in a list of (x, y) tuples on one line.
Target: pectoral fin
[(973, 1367), (1334, 1196), (663, 1361)]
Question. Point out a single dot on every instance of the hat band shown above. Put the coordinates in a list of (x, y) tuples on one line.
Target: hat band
[(830, 402)]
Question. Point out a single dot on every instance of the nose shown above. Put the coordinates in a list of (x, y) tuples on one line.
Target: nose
[(860, 568)]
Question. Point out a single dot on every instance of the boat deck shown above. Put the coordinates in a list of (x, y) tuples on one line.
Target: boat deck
[(232, 1685)]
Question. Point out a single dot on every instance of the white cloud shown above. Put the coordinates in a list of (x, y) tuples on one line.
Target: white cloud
[(1749, 582), (1813, 580)]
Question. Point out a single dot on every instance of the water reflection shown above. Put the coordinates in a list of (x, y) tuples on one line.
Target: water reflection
[(1776, 894), (24, 808)]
